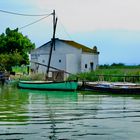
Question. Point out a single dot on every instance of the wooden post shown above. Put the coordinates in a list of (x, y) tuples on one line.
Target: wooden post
[(52, 43), (124, 79)]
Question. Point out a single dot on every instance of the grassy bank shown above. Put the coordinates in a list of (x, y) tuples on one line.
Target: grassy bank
[(112, 74)]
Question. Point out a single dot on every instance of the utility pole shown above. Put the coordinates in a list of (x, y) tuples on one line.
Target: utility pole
[(52, 43)]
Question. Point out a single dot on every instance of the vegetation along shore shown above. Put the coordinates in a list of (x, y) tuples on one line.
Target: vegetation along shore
[(112, 73)]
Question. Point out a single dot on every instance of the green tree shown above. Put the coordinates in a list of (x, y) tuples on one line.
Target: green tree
[(16, 45), (9, 60), (118, 65)]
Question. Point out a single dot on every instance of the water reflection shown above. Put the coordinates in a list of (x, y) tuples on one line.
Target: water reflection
[(30, 114), (12, 105)]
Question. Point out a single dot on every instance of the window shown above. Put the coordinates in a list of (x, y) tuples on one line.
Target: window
[(85, 65), (59, 60)]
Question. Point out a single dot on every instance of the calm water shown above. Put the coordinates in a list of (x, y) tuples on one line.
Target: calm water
[(42, 115)]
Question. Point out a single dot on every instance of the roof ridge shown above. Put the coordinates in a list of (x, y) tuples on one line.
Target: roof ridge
[(79, 46), (73, 44)]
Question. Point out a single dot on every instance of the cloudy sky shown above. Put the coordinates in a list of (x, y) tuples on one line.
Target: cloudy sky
[(112, 25)]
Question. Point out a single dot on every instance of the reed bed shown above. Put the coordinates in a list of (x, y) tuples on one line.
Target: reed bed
[(111, 74)]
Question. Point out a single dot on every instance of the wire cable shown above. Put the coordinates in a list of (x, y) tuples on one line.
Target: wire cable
[(20, 14), (66, 32), (34, 22)]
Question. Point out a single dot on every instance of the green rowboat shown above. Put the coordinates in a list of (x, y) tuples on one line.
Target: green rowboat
[(44, 85)]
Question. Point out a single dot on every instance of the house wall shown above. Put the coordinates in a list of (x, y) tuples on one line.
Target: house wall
[(69, 56), (87, 60), (73, 63), (34, 58), (58, 61), (40, 55), (60, 55), (64, 57)]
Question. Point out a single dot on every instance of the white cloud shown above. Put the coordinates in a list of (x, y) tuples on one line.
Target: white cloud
[(82, 18), (85, 15)]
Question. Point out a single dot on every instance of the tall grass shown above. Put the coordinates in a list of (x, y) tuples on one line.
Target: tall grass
[(111, 74)]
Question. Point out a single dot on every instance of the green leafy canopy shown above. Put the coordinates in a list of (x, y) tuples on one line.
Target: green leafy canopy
[(14, 44)]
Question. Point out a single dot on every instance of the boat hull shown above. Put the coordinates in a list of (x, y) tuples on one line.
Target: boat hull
[(42, 85), (120, 90)]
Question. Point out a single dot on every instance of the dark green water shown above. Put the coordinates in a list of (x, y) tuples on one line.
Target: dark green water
[(43, 115)]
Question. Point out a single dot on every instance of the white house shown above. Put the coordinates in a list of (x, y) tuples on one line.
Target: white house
[(67, 55)]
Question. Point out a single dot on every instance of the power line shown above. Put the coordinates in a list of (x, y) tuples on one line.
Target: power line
[(46, 15), (64, 29), (21, 14), (34, 22)]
